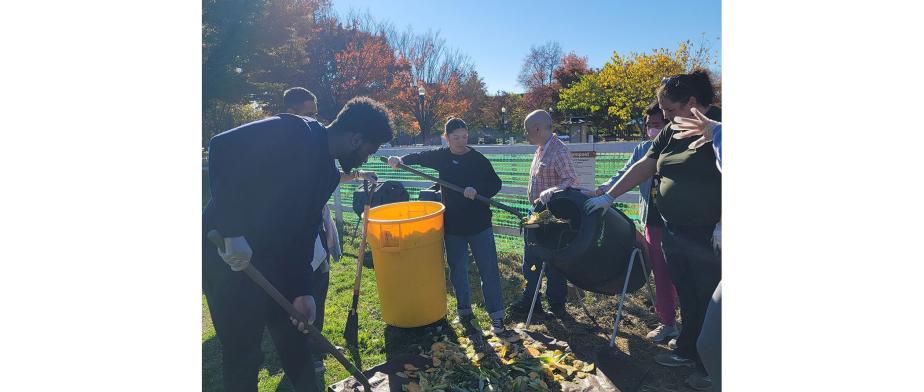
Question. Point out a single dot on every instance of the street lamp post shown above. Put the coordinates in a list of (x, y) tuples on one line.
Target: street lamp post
[(503, 117), (420, 100)]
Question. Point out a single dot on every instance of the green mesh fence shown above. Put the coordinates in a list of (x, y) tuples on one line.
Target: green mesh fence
[(513, 170)]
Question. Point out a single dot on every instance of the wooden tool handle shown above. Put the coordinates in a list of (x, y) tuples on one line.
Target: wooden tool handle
[(445, 184), (215, 237)]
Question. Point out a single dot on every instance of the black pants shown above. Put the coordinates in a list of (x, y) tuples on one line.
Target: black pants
[(695, 271), (320, 283), (240, 310)]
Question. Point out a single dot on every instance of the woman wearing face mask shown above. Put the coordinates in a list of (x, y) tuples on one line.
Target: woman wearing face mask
[(689, 198), (467, 222), (666, 295)]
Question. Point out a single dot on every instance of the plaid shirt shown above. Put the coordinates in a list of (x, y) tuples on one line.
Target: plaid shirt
[(552, 166)]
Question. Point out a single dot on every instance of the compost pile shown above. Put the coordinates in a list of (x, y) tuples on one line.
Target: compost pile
[(521, 364), (545, 217)]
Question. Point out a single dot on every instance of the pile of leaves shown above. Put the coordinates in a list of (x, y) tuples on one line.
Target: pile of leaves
[(521, 365), (542, 218)]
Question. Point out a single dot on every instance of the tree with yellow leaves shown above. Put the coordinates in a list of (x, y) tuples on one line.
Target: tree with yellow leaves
[(616, 96)]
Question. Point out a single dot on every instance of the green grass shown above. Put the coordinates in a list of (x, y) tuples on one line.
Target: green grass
[(376, 342)]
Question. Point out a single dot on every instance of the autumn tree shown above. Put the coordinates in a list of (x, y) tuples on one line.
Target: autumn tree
[(537, 75), (429, 64), (617, 95), (253, 50), (570, 70), (474, 91), (364, 68), (228, 28)]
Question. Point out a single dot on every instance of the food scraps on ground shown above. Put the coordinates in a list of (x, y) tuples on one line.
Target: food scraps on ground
[(519, 364)]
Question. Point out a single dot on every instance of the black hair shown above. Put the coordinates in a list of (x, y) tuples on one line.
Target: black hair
[(367, 117), (453, 124), (679, 88), (654, 109), (296, 96)]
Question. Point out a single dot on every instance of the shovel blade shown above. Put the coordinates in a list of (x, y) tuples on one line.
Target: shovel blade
[(351, 332)]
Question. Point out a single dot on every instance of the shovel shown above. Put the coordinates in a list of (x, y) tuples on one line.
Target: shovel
[(447, 185), (313, 334), (351, 330)]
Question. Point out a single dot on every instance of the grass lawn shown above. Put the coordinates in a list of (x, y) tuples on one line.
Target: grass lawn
[(378, 341)]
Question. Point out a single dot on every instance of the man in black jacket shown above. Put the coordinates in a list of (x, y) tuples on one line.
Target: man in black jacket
[(269, 181)]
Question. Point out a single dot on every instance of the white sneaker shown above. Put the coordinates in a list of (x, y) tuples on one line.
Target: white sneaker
[(662, 332)]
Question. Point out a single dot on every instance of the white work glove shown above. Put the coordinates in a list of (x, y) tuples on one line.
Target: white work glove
[(700, 125), (592, 192), (305, 305), (365, 175), (237, 253), (469, 192), (394, 162), (598, 202), (547, 194)]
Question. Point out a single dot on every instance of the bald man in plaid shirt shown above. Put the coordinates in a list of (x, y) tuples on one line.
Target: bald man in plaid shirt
[(552, 170)]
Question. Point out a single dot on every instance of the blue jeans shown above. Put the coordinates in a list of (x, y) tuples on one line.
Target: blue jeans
[(485, 253), (556, 284)]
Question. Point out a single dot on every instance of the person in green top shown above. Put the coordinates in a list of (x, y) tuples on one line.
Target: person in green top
[(689, 198)]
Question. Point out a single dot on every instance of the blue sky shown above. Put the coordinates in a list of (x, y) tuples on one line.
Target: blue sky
[(498, 34)]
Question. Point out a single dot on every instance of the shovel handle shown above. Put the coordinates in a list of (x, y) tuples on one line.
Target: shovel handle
[(445, 184), (362, 245), (215, 237)]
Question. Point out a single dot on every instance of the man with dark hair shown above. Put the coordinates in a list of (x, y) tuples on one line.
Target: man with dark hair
[(300, 101), (270, 180)]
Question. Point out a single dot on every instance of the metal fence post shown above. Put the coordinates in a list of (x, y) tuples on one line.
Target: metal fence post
[(338, 204)]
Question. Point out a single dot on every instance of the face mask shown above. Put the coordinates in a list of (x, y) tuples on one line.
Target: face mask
[(652, 132)]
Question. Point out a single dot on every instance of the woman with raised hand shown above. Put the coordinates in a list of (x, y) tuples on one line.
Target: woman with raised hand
[(689, 198)]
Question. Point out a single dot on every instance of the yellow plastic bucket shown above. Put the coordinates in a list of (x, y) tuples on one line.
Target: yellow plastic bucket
[(406, 239)]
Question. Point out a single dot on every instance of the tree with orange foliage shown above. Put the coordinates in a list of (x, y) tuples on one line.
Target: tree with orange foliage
[(425, 62), (364, 68)]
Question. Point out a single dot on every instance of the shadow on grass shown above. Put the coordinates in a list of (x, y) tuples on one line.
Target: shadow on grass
[(628, 364), (211, 365)]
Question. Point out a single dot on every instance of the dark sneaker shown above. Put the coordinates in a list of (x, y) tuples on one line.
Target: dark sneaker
[(497, 326), (673, 360), (469, 323), (521, 308), (558, 311), (699, 381)]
